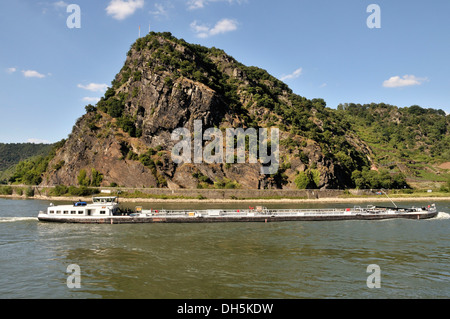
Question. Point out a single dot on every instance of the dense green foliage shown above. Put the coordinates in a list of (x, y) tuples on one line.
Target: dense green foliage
[(147, 160), (395, 134), (12, 154), (115, 107), (308, 180), (404, 141), (95, 180), (446, 186), (29, 172), (368, 179), (61, 190), (6, 190), (309, 118)]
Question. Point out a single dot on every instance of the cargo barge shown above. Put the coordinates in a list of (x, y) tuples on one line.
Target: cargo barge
[(106, 210)]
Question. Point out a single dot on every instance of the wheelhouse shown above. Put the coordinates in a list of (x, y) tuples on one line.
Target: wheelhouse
[(100, 207)]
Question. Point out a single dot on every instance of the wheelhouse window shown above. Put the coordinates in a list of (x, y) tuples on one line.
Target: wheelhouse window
[(102, 212)]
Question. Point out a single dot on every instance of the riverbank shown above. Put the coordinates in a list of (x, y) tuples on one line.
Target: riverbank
[(352, 199), (63, 193), (163, 195)]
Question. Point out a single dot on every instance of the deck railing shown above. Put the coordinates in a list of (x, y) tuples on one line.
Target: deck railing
[(248, 212)]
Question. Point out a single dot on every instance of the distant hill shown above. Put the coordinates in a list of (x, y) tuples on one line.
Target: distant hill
[(412, 140), (396, 134), (32, 165), (12, 154)]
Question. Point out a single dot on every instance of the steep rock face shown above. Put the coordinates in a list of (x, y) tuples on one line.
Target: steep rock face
[(167, 84), (84, 150)]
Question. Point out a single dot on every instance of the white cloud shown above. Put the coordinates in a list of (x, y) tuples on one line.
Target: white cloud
[(60, 4), (196, 4), (122, 9), (200, 4), (201, 30), (33, 74), (94, 87), (161, 10), (223, 26), (91, 99), (293, 75), (11, 70), (406, 80), (52, 7), (37, 141)]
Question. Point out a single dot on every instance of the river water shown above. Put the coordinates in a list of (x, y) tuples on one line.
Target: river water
[(291, 260)]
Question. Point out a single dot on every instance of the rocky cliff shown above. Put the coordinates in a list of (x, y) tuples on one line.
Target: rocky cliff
[(167, 83)]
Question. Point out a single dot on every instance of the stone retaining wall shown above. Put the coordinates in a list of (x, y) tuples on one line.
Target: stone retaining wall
[(227, 193)]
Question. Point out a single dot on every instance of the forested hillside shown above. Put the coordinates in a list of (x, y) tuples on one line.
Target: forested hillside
[(12, 154), (412, 140), (26, 160)]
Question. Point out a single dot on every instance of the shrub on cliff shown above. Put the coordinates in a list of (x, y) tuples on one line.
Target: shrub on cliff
[(309, 179)]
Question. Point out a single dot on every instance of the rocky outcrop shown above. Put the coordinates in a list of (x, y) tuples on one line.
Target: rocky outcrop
[(167, 84)]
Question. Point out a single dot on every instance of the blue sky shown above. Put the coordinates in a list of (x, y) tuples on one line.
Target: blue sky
[(320, 48)]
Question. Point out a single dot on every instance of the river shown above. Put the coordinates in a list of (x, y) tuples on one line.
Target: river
[(292, 260)]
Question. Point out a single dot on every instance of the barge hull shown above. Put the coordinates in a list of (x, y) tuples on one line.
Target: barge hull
[(242, 219)]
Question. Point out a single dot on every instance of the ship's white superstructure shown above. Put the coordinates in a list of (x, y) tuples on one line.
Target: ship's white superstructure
[(100, 207)]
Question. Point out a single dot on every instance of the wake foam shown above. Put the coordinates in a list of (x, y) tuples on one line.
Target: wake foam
[(442, 215), (17, 219)]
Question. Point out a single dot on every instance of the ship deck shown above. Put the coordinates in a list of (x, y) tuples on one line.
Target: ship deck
[(191, 217)]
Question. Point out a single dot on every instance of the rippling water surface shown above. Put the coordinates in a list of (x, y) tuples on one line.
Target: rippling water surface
[(242, 260)]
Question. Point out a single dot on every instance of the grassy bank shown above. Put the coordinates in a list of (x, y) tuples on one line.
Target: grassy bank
[(368, 200), (146, 195)]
